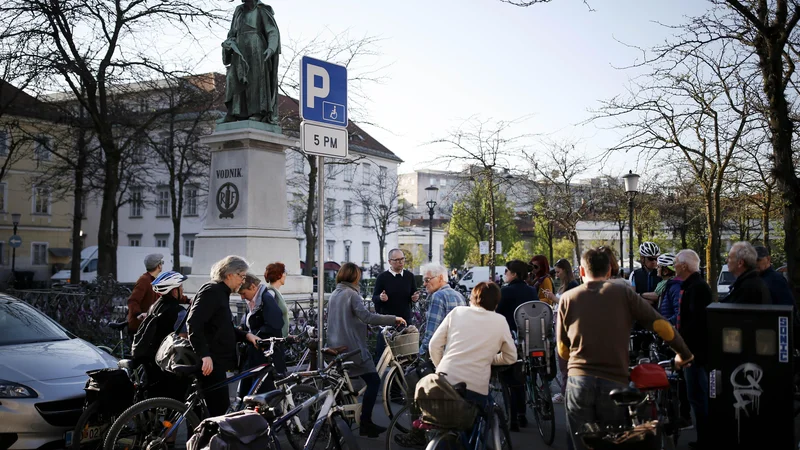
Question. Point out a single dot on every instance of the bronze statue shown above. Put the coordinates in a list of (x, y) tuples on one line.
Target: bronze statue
[(251, 55)]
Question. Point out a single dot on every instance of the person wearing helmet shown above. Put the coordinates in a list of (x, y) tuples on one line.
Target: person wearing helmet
[(669, 289), (646, 278), (169, 317)]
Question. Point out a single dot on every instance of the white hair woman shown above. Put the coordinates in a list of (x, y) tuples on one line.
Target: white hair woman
[(211, 330)]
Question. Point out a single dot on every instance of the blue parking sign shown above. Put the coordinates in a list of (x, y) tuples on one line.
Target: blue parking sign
[(323, 92)]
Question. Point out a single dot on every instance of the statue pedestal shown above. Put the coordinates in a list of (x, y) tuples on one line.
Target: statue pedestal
[(247, 212)]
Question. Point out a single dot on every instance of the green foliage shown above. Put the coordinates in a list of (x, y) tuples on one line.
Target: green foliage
[(519, 251), (456, 249)]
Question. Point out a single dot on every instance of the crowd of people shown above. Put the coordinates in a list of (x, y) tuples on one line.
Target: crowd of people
[(594, 314)]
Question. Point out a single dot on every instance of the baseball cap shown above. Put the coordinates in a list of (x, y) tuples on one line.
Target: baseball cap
[(152, 261), (762, 251)]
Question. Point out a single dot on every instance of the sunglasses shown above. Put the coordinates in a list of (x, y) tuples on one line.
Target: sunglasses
[(535, 267), (397, 259), (650, 258)]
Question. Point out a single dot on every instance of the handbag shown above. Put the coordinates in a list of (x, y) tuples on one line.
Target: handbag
[(441, 404), (176, 350)]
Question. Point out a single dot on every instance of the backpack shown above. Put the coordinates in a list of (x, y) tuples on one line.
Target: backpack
[(442, 405), (145, 342), (242, 430)]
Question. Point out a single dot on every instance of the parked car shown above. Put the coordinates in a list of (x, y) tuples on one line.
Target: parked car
[(42, 375), (724, 282), (477, 274), (130, 264)]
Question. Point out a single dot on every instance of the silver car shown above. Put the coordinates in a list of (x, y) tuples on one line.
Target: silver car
[(42, 375)]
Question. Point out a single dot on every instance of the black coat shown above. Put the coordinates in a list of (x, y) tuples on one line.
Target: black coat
[(749, 288), (692, 320), (210, 325), (511, 296)]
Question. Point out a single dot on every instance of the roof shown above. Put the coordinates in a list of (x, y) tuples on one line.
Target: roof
[(15, 102)]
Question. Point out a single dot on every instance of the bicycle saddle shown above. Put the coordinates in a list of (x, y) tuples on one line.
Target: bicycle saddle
[(628, 396), (263, 399), (118, 325)]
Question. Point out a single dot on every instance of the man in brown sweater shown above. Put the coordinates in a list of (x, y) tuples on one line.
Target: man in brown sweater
[(595, 322), (143, 295)]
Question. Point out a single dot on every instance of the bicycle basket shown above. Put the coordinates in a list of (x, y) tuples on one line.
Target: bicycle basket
[(641, 437), (442, 406), (649, 376), (405, 344), (111, 387)]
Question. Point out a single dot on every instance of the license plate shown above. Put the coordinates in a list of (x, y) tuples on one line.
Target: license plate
[(89, 434)]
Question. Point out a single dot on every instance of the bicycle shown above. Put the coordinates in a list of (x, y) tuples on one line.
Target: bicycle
[(119, 326), (534, 323), (157, 421)]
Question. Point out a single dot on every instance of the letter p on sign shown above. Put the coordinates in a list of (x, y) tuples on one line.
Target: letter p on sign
[(312, 91)]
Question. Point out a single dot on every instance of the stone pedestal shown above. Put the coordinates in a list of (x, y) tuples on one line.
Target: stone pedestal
[(247, 211)]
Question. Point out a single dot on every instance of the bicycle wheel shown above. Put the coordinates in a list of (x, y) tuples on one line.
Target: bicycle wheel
[(90, 429), (501, 435), (145, 424), (445, 441), (400, 424), (298, 428), (395, 393), (543, 409), (501, 397)]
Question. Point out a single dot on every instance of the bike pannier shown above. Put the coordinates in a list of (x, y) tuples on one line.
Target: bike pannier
[(112, 388), (242, 430), (442, 406)]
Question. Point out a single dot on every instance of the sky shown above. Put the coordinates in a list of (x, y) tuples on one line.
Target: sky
[(445, 61)]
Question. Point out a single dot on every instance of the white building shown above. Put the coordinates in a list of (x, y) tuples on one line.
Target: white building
[(412, 189)]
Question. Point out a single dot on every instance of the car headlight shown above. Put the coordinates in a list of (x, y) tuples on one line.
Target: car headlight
[(9, 389)]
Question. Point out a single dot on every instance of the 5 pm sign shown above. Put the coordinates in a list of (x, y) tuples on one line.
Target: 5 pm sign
[(319, 139)]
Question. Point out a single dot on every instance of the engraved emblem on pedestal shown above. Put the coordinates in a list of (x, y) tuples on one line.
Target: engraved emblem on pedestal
[(227, 200)]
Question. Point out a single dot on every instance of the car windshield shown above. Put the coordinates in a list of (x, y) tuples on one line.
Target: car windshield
[(726, 278), (21, 324)]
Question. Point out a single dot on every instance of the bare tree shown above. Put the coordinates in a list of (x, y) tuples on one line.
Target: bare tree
[(96, 51), (694, 105), (382, 206)]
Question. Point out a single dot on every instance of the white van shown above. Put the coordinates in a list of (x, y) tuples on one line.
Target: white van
[(130, 264), (478, 274), (724, 282)]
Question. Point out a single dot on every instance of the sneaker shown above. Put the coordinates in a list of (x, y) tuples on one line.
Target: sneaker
[(558, 398), (414, 439), (369, 429)]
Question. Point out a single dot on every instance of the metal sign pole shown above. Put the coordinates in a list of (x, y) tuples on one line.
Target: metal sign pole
[(321, 253)]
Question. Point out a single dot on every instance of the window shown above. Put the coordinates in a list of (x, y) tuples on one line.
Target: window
[(190, 202), (350, 172), (39, 254), (299, 164), (383, 174), (2, 196), (330, 246), (330, 207), (365, 173), (136, 203), (442, 182), (42, 147), (162, 203), (365, 246), (135, 240), (433, 181), (348, 212), (346, 253), (162, 240), (331, 170), (365, 214), (188, 245), (5, 142), (41, 200), (2, 253)]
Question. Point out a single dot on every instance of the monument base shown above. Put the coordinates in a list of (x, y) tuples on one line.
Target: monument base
[(247, 211)]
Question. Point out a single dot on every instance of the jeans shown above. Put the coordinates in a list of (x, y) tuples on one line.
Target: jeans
[(697, 390), (588, 402), (516, 391), (370, 395)]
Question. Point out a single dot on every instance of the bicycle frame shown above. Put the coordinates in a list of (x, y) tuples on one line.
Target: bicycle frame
[(323, 416)]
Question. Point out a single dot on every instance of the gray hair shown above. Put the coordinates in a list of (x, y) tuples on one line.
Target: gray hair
[(389, 255), (744, 251), (690, 258), (249, 281), (435, 270), (228, 265)]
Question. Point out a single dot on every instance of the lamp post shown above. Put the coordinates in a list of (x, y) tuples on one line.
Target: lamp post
[(431, 192), (15, 218), (631, 189), (347, 244)]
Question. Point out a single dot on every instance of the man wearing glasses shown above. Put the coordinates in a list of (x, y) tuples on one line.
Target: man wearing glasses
[(646, 279), (395, 291)]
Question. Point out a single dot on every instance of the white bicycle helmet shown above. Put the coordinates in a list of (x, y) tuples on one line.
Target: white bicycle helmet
[(168, 281), (667, 260), (649, 249)]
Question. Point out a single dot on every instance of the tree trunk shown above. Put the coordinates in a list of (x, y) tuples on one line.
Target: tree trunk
[(765, 219), (573, 236), (550, 231), (381, 247), (491, 227), (106, 238), (308, 227), (77, 214)]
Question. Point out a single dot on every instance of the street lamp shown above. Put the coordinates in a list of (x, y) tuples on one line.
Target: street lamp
[(15, 218), (431, 193), (631, 189)]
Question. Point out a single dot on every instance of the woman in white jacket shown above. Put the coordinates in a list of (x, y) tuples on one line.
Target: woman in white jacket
[(470, 340)]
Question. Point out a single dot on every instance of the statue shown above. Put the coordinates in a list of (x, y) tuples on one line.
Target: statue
[(251, 55)]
